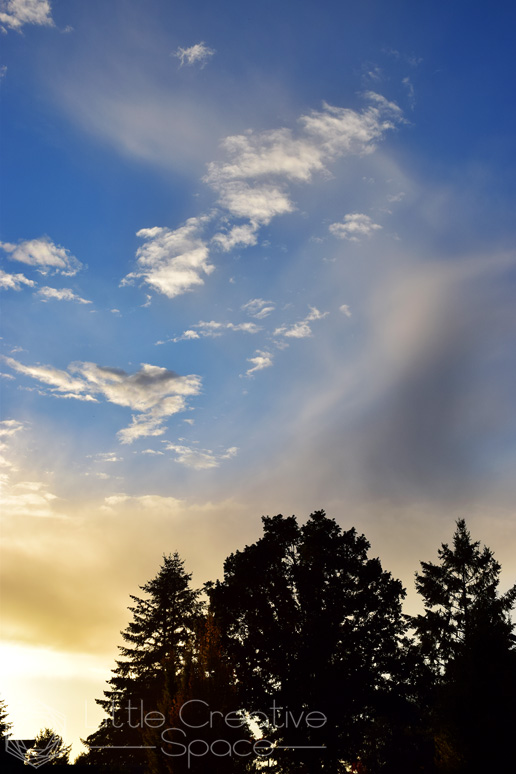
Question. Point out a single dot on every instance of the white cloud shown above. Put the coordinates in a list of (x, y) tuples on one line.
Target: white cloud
[(196, 54), (44, 255), (344, 308), (340, 131), (3, 72), (301, 329), (9, 427), (27, 497), (62, 294), (154, 392), (261, 360), (258, 203), (243, 235), (14, 281), (200, 459), (213, 329), (258, 308), (354, 227), (172, 262), (274, 152), (16, 13)]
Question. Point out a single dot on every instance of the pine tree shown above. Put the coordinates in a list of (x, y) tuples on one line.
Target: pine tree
[(5, 724), (157, 640), (466, 639), (49, 750), (196, 714)]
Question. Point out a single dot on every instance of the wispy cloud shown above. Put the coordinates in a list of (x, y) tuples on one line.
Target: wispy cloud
[(213, 329), (258, 308), (172, 262), (15, 13), (14, 281), (301, 329), (354, 227), (262, 359), (153, 392), (44, 255), (61, 294), (344, 308), (198, 54), (200, 459)]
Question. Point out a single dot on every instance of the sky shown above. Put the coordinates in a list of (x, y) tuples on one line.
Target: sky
[(256, 258)]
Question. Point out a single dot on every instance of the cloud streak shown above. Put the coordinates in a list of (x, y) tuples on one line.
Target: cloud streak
[(153, 392)]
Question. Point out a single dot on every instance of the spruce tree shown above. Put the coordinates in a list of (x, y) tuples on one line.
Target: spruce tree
[(157, 640), (466, 639), (49, 750)]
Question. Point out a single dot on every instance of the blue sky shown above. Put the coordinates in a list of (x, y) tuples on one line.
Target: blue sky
[(255, 258)]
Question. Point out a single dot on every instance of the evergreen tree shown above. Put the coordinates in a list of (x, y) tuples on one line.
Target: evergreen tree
[(49, 750), (157, 640), (466, 638), (313, 625), (196, 715), (5, 724)]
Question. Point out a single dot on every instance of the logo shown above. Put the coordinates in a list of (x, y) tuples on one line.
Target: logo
[(48, 746)]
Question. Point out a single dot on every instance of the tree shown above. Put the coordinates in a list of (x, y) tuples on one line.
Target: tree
[(204, 730), (157, 640), (5, 724), (313, 628), (48, 750), (466, 638)]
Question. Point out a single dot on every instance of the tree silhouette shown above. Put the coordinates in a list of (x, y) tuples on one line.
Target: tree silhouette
[(5, 724), (312, 625), (49, 750), (197, 714), (466, 638), (157, 640)]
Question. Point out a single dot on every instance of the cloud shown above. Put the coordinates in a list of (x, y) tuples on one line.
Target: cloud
[(172, 262), (261, 360), (44, 255), (62, 294), (15, 13), (258, 203), (14, 281), (354, 227), (344, 308), (154, 392), (27, 497), (245, 236), (196, 54), (9, 427), (258, 308), (200, 459), (213, 329), (301, 329)]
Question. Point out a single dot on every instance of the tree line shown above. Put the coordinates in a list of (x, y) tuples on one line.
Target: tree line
[(301, 660)]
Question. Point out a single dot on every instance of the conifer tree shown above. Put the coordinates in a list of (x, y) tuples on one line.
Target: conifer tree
[(157, 640), (466, 639), (5, 724), (49, 750)]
